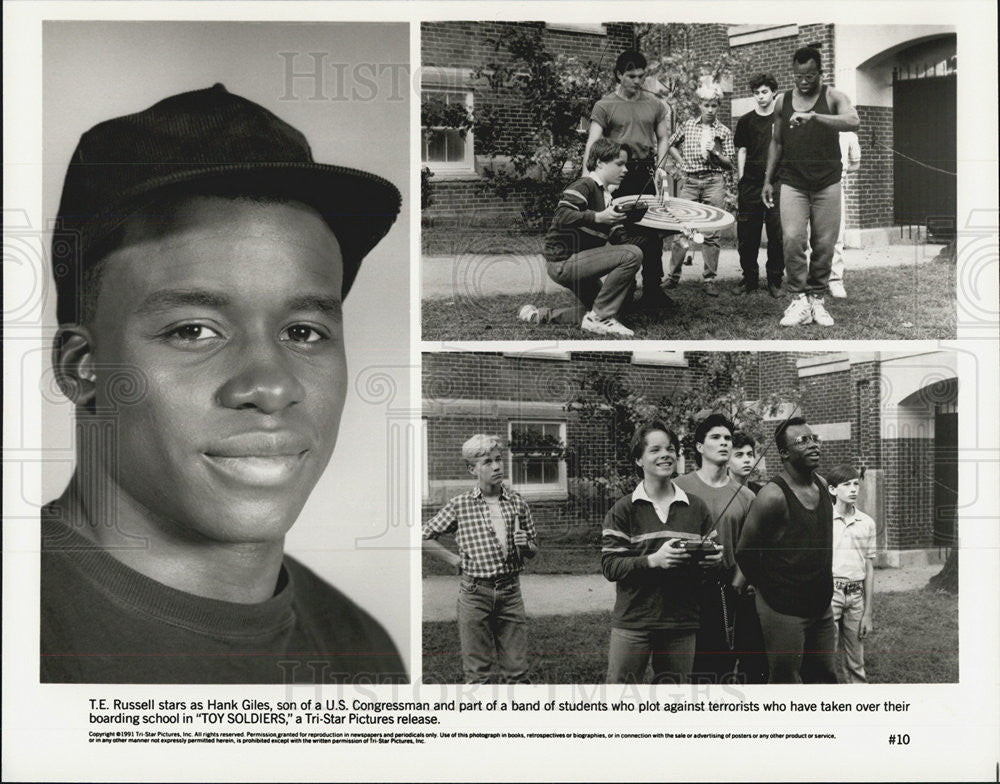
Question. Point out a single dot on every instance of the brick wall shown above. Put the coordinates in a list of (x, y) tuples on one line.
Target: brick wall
[(909, 466), (872, 202), (847, 396), (775, 57)]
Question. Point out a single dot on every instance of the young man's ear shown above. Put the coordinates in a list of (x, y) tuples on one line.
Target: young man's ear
[(73, 362)]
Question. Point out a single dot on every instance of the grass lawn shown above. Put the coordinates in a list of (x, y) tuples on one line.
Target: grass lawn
[(915, 641), (903, 303)]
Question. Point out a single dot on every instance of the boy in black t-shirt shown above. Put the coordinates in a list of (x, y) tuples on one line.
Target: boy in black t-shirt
[(753, 135)]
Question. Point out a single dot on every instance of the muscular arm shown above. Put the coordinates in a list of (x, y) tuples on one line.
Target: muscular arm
[(662, 140), (759, 531), (845, 116), (595, 133)]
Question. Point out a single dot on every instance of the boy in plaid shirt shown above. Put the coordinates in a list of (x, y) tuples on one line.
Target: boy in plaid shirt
[(703, 153), (495, 535)]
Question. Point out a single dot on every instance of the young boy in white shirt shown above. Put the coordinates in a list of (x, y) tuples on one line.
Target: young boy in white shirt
[(853, 569)]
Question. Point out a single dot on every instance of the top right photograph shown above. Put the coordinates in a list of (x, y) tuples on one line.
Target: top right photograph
[(688, 181)]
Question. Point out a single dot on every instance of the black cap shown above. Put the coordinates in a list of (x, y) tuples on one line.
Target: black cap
[(200, 140)]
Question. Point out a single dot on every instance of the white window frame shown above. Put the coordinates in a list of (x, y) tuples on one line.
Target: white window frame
[(453, 81), (557, 489)]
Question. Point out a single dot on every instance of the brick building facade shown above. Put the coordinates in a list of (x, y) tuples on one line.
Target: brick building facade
[(865, 62), (878, 411)]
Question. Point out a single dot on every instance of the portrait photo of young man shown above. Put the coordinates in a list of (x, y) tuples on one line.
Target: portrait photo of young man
[(211, 226)]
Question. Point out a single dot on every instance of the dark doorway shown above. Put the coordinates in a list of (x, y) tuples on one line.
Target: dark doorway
[(945, 477), (924, 131)]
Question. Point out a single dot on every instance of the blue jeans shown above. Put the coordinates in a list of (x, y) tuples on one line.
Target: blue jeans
[(705, 189), (492, 623), (581, 273), (799, 650), (671, 650), (848, 610), (809, 218)]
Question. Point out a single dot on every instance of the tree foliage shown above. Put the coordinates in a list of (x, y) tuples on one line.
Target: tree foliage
[(609, 400), (557, 93)]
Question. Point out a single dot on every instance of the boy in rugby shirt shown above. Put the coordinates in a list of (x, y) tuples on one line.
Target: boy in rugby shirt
[(657, 612), (580, 248), (495, 535)]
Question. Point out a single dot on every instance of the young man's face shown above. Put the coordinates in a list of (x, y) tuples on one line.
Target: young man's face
[(741, 461), (846, 492), (764, 96), (613, 172), (231, 321), (709, 110), (659, 456), (802, 447), (716, 447), (631, 81), (806, 77), (488, 471)]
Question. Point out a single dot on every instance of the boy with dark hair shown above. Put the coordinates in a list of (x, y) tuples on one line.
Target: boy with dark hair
[(748, 639), (752, 140), (201, 260), (786, 553), (495, 535), (853, 569), (728, 502), (656, 614), (742, 461), (578, 254), (633, 116)]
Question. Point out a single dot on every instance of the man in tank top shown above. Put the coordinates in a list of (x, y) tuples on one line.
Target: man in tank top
[(805, 153), (786, 552)]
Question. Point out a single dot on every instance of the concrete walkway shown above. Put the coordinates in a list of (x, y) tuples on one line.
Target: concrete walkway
[(479, 275), (559, 594)]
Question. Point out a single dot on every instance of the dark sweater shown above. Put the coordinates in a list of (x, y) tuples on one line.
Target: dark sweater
[(789, 557), (573, 228), (648, 597), (102, 622)]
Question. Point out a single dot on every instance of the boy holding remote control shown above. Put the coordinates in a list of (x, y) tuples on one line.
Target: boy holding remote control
[(655, 541)]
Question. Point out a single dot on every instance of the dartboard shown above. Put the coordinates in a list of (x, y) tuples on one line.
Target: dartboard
[(670, 214)]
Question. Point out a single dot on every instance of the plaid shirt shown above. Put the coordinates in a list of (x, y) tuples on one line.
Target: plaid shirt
[(468, 517), (687, 139)]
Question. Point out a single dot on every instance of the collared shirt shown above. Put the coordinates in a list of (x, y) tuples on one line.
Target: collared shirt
[(604, 189), (468, 517), (853, 544), (640, 494), (688, 139)]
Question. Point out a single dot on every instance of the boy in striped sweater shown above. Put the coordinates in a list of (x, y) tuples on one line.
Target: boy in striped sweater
[(580, 248)]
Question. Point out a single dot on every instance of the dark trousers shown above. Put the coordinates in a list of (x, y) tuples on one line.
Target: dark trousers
[(799, 650), (753, 216), (714, 659), (639, 180), (751, 666)]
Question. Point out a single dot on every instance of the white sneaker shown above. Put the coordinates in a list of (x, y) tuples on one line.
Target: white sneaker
[(819, 312), (528, 313), (799, 312), (608, 326), (837, 290)]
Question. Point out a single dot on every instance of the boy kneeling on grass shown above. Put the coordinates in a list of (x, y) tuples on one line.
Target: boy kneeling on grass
[(853, 569), (495, 535), (580, 249)]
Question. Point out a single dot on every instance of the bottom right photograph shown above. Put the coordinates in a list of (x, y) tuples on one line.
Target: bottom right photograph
[(690, 517)]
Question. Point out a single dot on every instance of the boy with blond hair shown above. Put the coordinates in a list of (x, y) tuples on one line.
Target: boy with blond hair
[(495, 536)]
